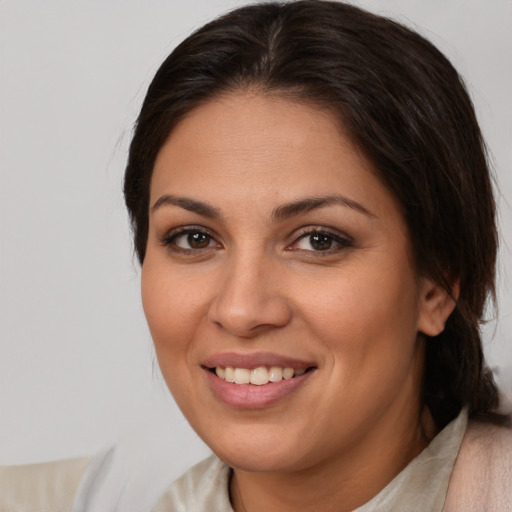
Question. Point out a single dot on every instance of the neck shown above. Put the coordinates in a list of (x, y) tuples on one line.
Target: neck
[(337, 484)]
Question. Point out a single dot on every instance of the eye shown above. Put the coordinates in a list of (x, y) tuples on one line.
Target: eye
[(190, 239), (320, 240), (316, 242)]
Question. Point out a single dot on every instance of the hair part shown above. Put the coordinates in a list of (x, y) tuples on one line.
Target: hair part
[(405, 108)]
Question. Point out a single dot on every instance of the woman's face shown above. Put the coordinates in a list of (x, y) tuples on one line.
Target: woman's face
[(273, 247)]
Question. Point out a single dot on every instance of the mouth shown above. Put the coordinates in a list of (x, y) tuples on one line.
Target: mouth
[(255, 381), (258, 376)]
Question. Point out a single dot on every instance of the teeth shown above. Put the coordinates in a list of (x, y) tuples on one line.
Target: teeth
[(258, 376), (229, 374), (288, 373), (242, 376), (275, 374)]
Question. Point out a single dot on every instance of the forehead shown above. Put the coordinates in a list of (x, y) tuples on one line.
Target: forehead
[(262, 149), (243, 120)]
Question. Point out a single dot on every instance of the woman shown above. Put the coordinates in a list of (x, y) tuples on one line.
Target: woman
[(313, 213)]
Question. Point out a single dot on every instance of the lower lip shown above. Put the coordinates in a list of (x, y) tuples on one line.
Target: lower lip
[(250, 396)]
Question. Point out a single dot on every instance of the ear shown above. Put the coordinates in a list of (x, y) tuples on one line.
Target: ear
[(436, 305)]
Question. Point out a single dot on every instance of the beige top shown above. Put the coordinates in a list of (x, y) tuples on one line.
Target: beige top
[(48, 487), (447, 476)]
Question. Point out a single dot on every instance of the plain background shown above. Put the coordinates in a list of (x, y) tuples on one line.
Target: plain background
[(77, 369)]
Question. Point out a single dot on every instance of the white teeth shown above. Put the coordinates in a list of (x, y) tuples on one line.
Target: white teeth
[(275, 374), (229, 374), (258, 376), (288, 373), (242, 376)]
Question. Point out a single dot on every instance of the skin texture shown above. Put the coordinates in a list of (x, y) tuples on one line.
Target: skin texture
[(259, 284)]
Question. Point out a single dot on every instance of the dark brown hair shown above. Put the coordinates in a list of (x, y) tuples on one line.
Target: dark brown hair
[(404, 106)]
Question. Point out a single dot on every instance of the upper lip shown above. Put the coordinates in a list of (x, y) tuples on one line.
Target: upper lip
[(255, 360)]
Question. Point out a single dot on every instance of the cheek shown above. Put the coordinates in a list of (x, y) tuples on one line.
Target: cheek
[(171, 314), (369, 333), (363, 298), (365, 318), (171, 309)]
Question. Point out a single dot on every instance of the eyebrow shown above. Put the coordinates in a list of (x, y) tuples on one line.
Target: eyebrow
[(313, 203), (281, 213), (199, 207)]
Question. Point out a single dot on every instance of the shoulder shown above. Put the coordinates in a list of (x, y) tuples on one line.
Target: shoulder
[(202, 487), (46, 486), (482, 476)]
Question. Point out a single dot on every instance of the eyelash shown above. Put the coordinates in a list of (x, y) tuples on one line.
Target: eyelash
[(169, 240), (341, 241)]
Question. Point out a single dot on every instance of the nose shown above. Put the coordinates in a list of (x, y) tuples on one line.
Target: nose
[(250, 298)]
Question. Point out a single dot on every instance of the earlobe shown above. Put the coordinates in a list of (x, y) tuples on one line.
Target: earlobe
[(436, 305)]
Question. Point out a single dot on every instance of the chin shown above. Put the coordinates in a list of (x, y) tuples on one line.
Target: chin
[(256, 461), (255, 449)]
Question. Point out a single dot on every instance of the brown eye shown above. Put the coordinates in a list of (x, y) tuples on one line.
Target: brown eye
[(320, 241), (198, 240), (190, 240), (316, 242)]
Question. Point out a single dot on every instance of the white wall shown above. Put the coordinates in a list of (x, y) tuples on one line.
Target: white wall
[(76, 362)]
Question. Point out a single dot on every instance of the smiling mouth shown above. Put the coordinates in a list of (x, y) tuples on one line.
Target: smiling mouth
[(256, 381), (258, 376)]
